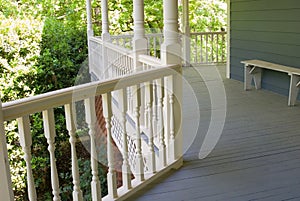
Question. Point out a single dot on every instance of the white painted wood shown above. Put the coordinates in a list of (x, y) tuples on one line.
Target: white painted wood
[(154, 109), (151, 155), (176, 118), (90, 31), (139, 39), (170, 49), (228, 40), (26, 142), (294, 89), (248, 77), (49, 129), (111, 175), (138, 187), (126, 172), (90, 116), (104, 14), (172, 121), (187, 33), (70, 123), (6, 191), (38, 103), (105, 38), (161, 128), (272, 66), (139, 157), (253, 71)]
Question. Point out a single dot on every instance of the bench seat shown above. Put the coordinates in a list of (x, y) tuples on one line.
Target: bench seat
[(253, 71)]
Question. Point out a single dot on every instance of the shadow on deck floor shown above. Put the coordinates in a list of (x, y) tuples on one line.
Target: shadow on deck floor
[(256, 158)]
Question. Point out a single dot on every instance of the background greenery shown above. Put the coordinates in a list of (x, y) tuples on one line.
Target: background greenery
[(42, 47)]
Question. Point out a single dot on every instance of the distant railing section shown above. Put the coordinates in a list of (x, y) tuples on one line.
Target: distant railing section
[(208, 48), (149, 143), (154, 42), (205, 47), (109, 60)]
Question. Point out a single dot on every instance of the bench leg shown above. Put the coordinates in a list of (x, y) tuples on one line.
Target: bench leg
[(294, 90), (257, 77), (247, 77)]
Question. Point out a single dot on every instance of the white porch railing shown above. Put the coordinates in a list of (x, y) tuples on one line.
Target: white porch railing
[(119, 60), (145, 127), (208, 48), (205, 47)]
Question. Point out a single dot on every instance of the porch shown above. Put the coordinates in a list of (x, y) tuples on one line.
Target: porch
[(256, 158)]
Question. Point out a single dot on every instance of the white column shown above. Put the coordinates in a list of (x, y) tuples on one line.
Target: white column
[(139, 39), (171, 49), (105, 38), (90, 31), (105, 23), (187, 33), (6, 191)]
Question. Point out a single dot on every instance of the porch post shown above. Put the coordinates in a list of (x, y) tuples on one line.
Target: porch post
[(90, 31), (139, 39), (171, 49), (171, 53), (105, 23), (139, 43), (105, 38), (5, 179), (187, 33)]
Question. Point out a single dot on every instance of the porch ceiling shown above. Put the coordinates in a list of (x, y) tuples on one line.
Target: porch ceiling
[(256, 158)]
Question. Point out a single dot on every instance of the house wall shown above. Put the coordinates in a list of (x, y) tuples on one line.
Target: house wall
[(267, 30)]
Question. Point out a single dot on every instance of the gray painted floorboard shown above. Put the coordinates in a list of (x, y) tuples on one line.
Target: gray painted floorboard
[(256, 158)]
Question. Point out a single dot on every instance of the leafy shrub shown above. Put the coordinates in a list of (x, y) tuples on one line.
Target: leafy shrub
[(19, 52)]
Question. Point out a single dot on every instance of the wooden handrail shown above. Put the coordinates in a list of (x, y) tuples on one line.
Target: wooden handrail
[(38, 103)]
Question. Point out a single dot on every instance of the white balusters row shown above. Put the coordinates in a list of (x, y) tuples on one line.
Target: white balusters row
[(205, 47), (208, 47), (143, 144), (154, 41)]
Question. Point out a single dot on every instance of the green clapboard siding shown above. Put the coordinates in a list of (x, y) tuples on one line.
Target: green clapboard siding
[(267, 30)]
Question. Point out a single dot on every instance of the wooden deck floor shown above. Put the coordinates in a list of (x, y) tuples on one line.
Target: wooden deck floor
[(256, 158)]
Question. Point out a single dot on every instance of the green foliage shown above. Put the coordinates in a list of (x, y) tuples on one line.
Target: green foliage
[(207, 15), (19, 52), (85, 180), (63, 51)]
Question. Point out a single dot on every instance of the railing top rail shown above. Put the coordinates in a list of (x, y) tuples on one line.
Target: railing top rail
[(150, 60), (131, 35), (38, 103), (207, 33)]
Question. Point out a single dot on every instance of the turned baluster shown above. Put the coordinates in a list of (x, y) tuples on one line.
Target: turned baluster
[(111, 175), (126, 173), (49, 129), (26, 142), (161, 129), (90, 117), (70, 122)]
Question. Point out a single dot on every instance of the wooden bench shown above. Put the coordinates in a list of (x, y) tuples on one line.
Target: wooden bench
[(253, 71)]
